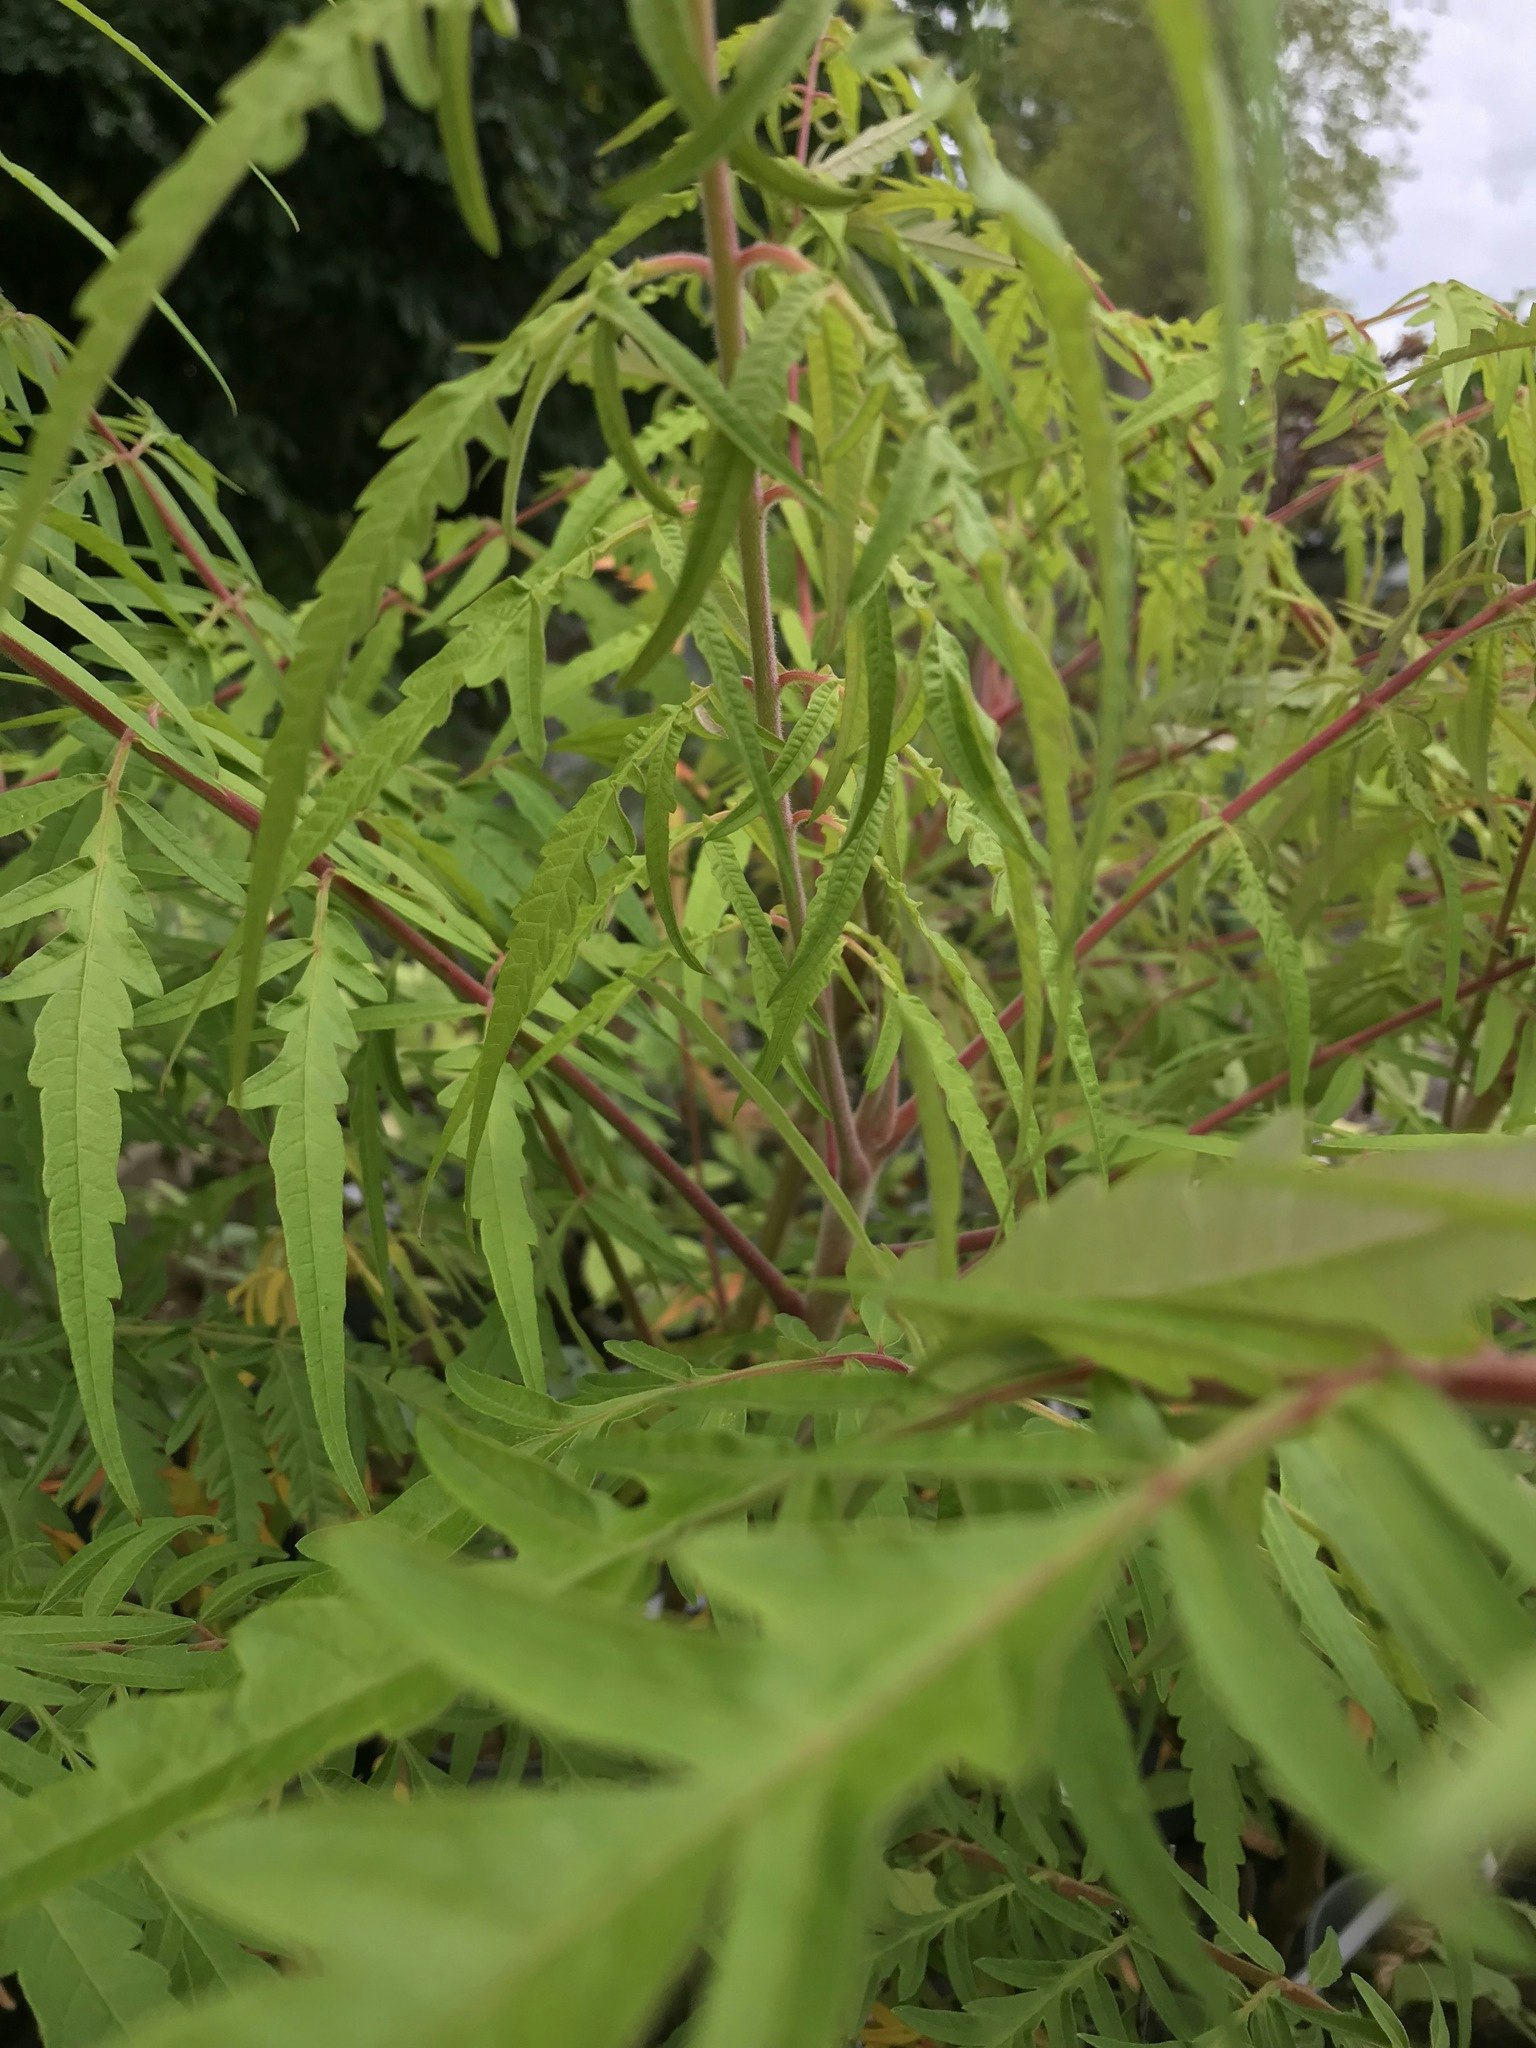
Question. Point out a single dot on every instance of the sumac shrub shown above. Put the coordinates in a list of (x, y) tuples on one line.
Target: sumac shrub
[(764, 1215)]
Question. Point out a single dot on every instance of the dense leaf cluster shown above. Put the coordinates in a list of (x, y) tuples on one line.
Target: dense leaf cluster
[(828, 1339), (330, 308)]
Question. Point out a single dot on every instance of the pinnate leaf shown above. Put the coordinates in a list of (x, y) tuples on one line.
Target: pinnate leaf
[(306, 1085), (88, 975)]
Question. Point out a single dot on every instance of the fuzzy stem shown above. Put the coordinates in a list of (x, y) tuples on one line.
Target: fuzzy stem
[(808, 106), (723, 249), (778, 254)]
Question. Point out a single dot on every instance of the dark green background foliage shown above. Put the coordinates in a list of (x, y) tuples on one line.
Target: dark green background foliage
[(325, 335)]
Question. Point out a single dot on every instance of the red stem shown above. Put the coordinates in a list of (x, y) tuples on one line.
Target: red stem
[(1281, 773), (1141, 762), (1357, 1040), (967, 1242), (805, 601), (1107, 305), (1088, 654), (493, 530), (1319, 493), (1308, 751), (1492, 1378), (981, 1240), (1396, 312), (202, 568), (881, 1361), (776, 253), (687, 260), (695, 1131), (808, 103)]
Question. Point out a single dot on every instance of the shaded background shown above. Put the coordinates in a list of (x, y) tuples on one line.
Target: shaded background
[(327, 334)]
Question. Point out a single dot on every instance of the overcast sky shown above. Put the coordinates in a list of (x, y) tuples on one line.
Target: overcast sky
[(1467, 207)]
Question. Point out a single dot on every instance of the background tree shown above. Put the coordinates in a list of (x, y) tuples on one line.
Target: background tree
[(1081, 106), (383, 282), (325, 335)]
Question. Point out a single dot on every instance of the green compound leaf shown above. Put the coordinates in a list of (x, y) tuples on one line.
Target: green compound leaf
[(306, 1084), (87, 976)]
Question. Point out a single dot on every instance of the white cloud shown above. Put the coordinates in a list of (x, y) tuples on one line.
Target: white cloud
[(1467, 206)]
